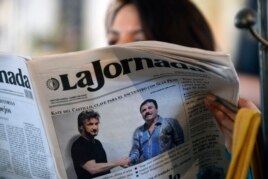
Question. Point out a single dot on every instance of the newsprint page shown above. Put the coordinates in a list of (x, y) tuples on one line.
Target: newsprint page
[(115, 82), (24, 149)]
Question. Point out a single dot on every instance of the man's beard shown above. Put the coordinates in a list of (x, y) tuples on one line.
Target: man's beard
[(152, 118), (90, 135), (146, 114)]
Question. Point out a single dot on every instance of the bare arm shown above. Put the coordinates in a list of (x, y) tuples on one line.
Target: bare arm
[(225, 117), (92, 167)]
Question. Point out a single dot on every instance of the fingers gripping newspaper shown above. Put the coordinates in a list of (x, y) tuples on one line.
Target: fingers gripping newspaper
[(149, 97)]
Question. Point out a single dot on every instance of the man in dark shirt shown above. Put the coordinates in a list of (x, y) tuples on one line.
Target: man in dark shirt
[(88, 155)]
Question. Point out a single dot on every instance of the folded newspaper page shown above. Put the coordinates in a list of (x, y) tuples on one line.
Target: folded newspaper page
[(147, 99), (24, 149)]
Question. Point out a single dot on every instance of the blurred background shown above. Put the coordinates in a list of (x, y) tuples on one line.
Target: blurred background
[(30, 27)]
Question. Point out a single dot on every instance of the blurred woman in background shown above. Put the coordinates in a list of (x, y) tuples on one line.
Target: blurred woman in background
[(173, 21)]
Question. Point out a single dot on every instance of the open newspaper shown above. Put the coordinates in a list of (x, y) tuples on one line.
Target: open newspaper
[(41, 98)]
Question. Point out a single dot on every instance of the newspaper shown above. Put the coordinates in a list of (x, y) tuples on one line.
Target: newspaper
[(114, 81), (24, 149)]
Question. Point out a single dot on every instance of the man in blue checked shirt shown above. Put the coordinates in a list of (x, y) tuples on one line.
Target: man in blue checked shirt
[(156, 135)]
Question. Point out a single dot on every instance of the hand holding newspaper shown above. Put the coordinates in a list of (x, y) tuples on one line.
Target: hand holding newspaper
[(147, 97)]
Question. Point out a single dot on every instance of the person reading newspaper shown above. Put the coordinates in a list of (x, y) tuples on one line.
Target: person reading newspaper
[(88, 155), (136, 20), (156, 136)]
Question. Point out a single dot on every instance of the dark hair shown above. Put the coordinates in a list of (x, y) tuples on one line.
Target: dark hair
[(174, 21), (84, 116), (149, 101)]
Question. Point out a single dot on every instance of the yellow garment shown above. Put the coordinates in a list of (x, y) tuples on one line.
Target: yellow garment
[(246, 128)]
